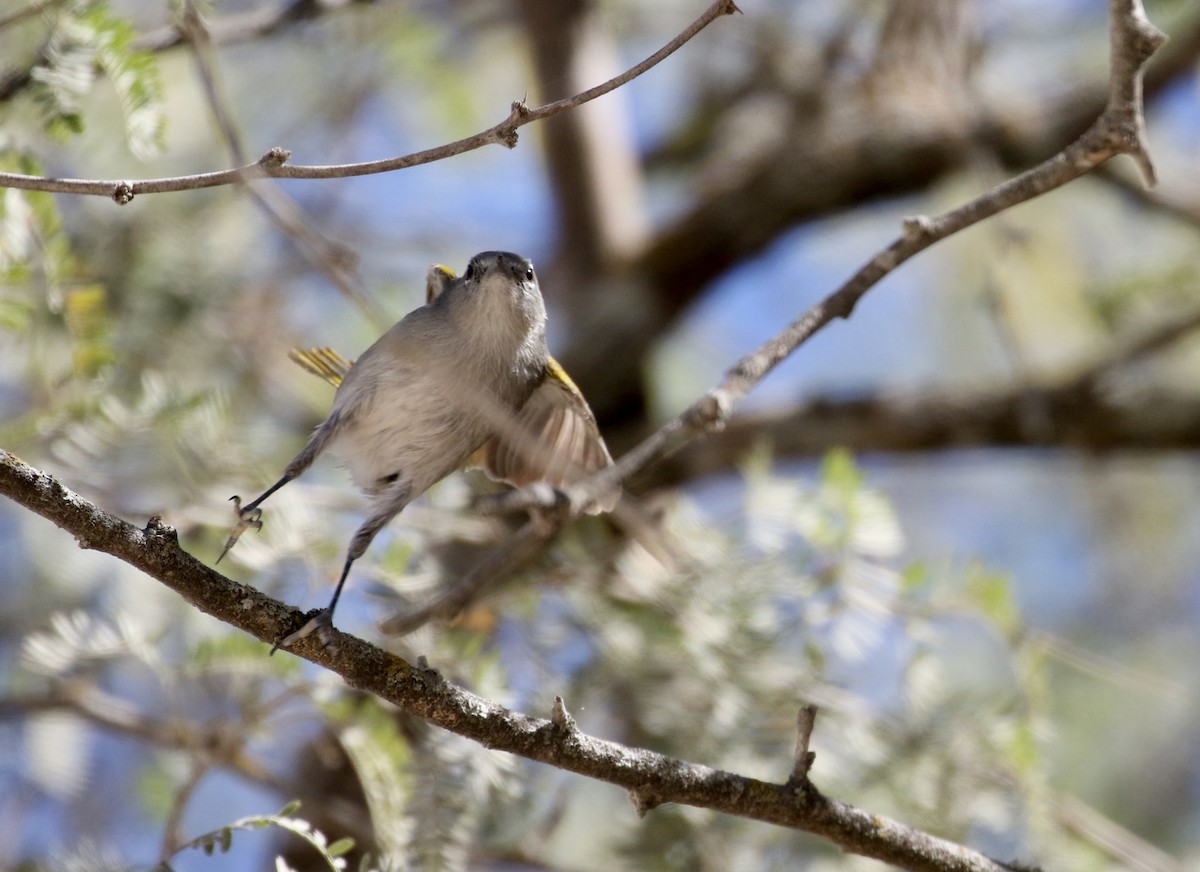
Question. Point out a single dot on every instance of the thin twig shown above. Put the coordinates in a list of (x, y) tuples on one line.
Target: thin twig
[(217, 744), (172, 839), (238, 27), (806, 719), (273, 164), (1129, 849)]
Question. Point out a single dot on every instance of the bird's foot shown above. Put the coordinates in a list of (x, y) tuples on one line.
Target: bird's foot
[(251, 516), (321, 623)]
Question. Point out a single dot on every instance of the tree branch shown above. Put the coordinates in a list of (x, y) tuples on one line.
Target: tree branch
[(651, 778), (274, 164), (1078, 412)]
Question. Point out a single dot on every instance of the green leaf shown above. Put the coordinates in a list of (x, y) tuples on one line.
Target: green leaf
[(82, 43), (134, 75), (840, 472), (32, 243), (1023, 748), (223, 837), (87, 320), (991, 592), (914, 577), (290, 809)]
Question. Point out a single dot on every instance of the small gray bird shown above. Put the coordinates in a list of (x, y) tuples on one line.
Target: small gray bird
[(464, 380)]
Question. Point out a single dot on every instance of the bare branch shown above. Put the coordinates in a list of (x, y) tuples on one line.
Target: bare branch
[(1127, 848), (1077, 411), (273, 164), (173, 839), (806, 719), (651, 778)]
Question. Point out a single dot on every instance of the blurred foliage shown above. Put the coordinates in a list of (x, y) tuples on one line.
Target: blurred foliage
[(143, 361), (85, 39), (222, 840)]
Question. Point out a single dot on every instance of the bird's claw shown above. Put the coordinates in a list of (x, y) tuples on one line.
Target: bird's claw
[(251, 516), (321, 623)]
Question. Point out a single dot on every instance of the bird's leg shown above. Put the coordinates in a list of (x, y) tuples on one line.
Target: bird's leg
[(389, 504), (250, 515)]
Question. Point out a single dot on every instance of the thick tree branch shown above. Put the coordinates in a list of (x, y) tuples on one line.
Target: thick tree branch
[(274, 163), (935, 421), (651, 778), (1077, 412)]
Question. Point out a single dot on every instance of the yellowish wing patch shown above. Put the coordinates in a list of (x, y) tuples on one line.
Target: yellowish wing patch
[(323, 362)]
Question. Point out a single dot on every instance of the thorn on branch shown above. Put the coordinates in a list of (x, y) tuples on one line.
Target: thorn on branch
[(156, 528), (710, 412), (1145, 165), (560, 717), (275, 157), (1142, 36), (805, 721), (643, 801), (506, 131), (122, 193), (729, 7), (426, 674), (916, 226)]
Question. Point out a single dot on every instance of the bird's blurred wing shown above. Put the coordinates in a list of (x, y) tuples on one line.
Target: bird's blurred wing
[(554, 439)]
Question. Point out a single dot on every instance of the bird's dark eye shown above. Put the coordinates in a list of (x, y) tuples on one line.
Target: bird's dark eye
[(528, 273), (470, 273)]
